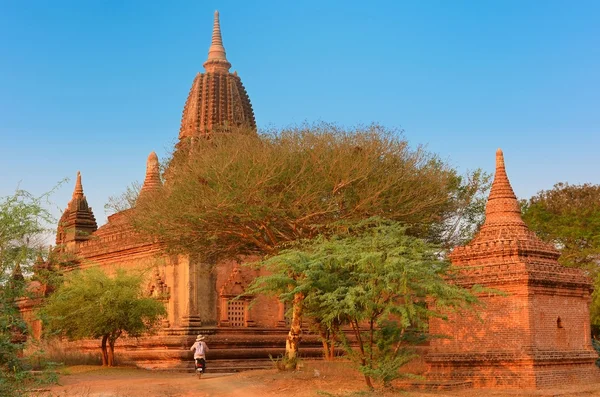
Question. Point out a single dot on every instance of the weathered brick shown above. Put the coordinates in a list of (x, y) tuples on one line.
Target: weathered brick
[(538, 335)]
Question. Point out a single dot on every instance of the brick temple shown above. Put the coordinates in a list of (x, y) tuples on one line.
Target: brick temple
[(198, 297), (537, 333)]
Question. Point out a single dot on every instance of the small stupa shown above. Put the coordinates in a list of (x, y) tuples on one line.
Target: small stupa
[(538, 333)]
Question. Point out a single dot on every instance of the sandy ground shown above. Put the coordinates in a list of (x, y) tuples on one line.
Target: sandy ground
[(318, 379)]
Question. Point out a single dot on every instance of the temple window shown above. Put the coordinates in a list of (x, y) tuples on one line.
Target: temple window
[(559, 323), (235, 312)]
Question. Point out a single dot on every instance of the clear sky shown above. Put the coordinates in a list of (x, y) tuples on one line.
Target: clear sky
[(97, 85)]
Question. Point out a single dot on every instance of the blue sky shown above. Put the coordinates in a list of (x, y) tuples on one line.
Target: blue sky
[(97, 85)]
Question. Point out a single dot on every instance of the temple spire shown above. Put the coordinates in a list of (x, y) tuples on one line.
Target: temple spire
[(217, 59), (78, 192), (217, 99), (502, 205), (152, 180)]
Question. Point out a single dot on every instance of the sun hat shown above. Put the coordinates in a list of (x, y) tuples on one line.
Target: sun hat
[(199, 338)]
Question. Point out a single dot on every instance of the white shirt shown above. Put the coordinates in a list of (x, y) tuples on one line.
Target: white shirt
[(200, 349)]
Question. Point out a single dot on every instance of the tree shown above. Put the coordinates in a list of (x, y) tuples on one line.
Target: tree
[(125, 200), (92, 304), (568, 216), (237, 194), (23, 221), (374, 277)]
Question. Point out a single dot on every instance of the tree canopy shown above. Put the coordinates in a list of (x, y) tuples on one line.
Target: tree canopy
[(569, 217), (92, 304), (382, 282), (23, 221), (234, 194)]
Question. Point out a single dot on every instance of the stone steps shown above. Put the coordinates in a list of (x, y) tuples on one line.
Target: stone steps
[(222, 366)]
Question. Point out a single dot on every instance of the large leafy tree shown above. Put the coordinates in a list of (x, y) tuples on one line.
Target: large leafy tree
[(568, 216), (93, 304), (233, 194), (373, 277), (23, 221)]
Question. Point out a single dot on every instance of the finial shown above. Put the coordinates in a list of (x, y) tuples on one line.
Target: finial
[(78, 192), (502, 205), (152, 160), (217, 60), (499, 158), (216, 50)]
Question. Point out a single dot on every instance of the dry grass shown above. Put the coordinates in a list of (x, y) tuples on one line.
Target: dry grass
[(41, 353)]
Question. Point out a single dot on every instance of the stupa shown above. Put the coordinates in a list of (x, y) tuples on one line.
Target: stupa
[(77, 222), (537, 333)]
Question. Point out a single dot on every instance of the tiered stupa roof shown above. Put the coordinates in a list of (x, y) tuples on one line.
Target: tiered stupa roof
[(217, 98), (77, 223), (503, 234)]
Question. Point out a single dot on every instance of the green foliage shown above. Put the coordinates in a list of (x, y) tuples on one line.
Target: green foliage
[(22, 224), (248, 194), (596, 346), (595, 307), (569, 217), (92, 304), (23, 220), (284, 363), (376, 278), (468, 211)]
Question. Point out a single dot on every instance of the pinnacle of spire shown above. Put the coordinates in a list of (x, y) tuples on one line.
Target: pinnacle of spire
[(78, 192), (17, 272), (217, 59), (152, 180), (502, 206)]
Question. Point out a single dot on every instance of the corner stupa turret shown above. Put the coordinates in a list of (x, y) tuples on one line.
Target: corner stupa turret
[(77, 222), (152, 182)]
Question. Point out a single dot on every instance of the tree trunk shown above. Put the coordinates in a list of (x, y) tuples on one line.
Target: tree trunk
[(361, 347), (328, 341), (332, 347), (294, 336), (104, 352), (111, 352), (325, 342)]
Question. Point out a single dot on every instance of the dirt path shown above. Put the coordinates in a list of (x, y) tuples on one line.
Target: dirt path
[(128, 382), (321, 380)]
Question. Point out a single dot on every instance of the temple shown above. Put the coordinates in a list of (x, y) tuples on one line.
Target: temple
[(535, 332), (198, 297)]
